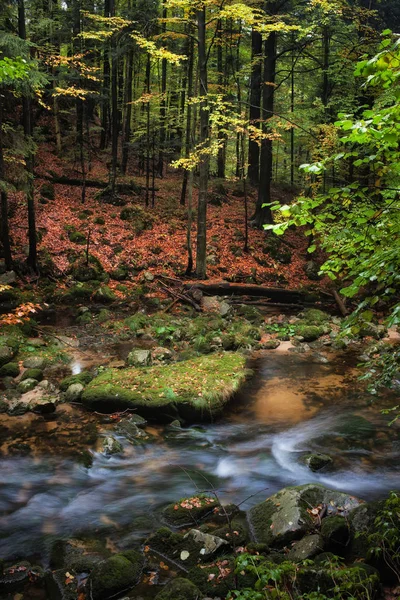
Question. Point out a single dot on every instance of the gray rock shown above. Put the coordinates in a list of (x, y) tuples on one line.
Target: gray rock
[(111, 446), (6, 355), (209, 543), (284, 517), (306, 548), (162, 354), (8, 278), (34, 362), (74, 392), (139, 358), (316, 461), (27, 385), (130, 429), (311, 269), (36, 342)]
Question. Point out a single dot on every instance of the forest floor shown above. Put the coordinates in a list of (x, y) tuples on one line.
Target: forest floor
[(154, 238)]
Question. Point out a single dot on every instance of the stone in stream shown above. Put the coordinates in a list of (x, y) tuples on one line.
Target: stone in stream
[(179, 589), (112, 446), (286, 516), (316, 461), (189, 511), (116, 574), (34, 362), (74, 392)]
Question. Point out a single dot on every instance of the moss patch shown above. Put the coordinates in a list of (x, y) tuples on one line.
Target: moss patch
[(197, 388), (116, 574), (84, 378)]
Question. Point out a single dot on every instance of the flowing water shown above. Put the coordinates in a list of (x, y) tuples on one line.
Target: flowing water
[(294, 404)]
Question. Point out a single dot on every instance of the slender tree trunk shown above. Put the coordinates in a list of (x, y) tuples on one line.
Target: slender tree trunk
[(220, 75), (5, 231), (106, 87), (126, 134), (201, 254), (148, 65), (27, 120), (114, 105), (263, 213), (163, 103), (188, 141), (255, 104), (292, 111), (189, 267)]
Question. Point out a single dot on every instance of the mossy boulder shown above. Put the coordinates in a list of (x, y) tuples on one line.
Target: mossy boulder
[(87, 272), (190, 511), (179, 589), (74, 392), (84, 378), (10, 369), (306, 548), (26, 386), (104, 294), (309, 333), (112, 446), (32, 374), (317, 461), (336, 532), (116, 574), (77, 237), (285, 516), (6, 355), (195, 389), (314, 316), (139, 218)]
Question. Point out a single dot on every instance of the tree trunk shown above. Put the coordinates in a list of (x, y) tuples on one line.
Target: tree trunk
[(201, 254), (5, 232), (220, 75), (263, 213), (163, 103), (27, 121), (106, 87), (255, 104), (126, 134), (188, 141), (114, 105)]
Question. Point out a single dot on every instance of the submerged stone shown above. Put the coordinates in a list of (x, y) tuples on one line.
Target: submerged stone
[(111, 446), (316, 461)]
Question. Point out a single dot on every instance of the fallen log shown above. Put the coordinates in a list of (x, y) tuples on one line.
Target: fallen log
[(279, 295), (97, 183)]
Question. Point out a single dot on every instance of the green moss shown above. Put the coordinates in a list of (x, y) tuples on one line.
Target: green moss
[(84, 378), (77, 237), (83, 272), (10, 369), (47, 191), (314, 316), (115, 574), (309, 333), (104, 316), (80, 291), (104, 294), (179, 589), (32, 374), (99, 221), (199, 387), (85, 318), (137, 321)]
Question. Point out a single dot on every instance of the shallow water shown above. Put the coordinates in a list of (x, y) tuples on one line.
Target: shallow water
[(293, 405)]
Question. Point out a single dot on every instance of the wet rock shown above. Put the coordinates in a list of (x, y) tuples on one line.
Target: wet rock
[(32, 374), (14, 577), (132, 432), (179, 589), (210, 544), (34, 362), (26, 385), (356, 427), (284, 517), (74, 392), (316, 462), (10, 369), (189, 511), (309, 333), (61, 587), (139, 358), (175, 424), (138, 420), (111, 446), (115, 574), (6, 355), (270, 345), (306, 548), (84, 378), (311, 269), (336, 532)]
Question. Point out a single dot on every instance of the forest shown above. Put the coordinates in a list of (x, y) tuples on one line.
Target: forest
[(200, 299)]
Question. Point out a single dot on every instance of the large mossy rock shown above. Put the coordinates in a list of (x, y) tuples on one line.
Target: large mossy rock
[(194, 389), (286, 516), (115, 575), (190, 511), (179, 589)]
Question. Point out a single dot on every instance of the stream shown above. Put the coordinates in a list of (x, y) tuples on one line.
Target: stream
[(295, 403)]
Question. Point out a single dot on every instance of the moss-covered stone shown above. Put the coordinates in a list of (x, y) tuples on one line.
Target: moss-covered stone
[(32, 374), (179, 589), (6, 355), (84, 378), (104, 294), (26, 386), (189, 511), (116, 574), (336, 532), (317, 461), (309, 333), (85, 318), (306, 548), (10, 369), (314, 316), (196, 389), (47, 191), (83, 272)]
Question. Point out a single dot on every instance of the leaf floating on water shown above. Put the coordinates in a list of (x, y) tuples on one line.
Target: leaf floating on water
[(185, 555)]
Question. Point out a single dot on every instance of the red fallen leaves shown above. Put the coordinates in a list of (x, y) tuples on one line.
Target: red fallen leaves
[(194, 502), (161, 249), (223, 570)]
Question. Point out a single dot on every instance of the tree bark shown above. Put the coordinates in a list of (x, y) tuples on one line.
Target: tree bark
[(126, 134), (5, 231), (263, 213), (253, 171), (114, 105), (163, 103), (201, 253), (105, 88), (188, 135)]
